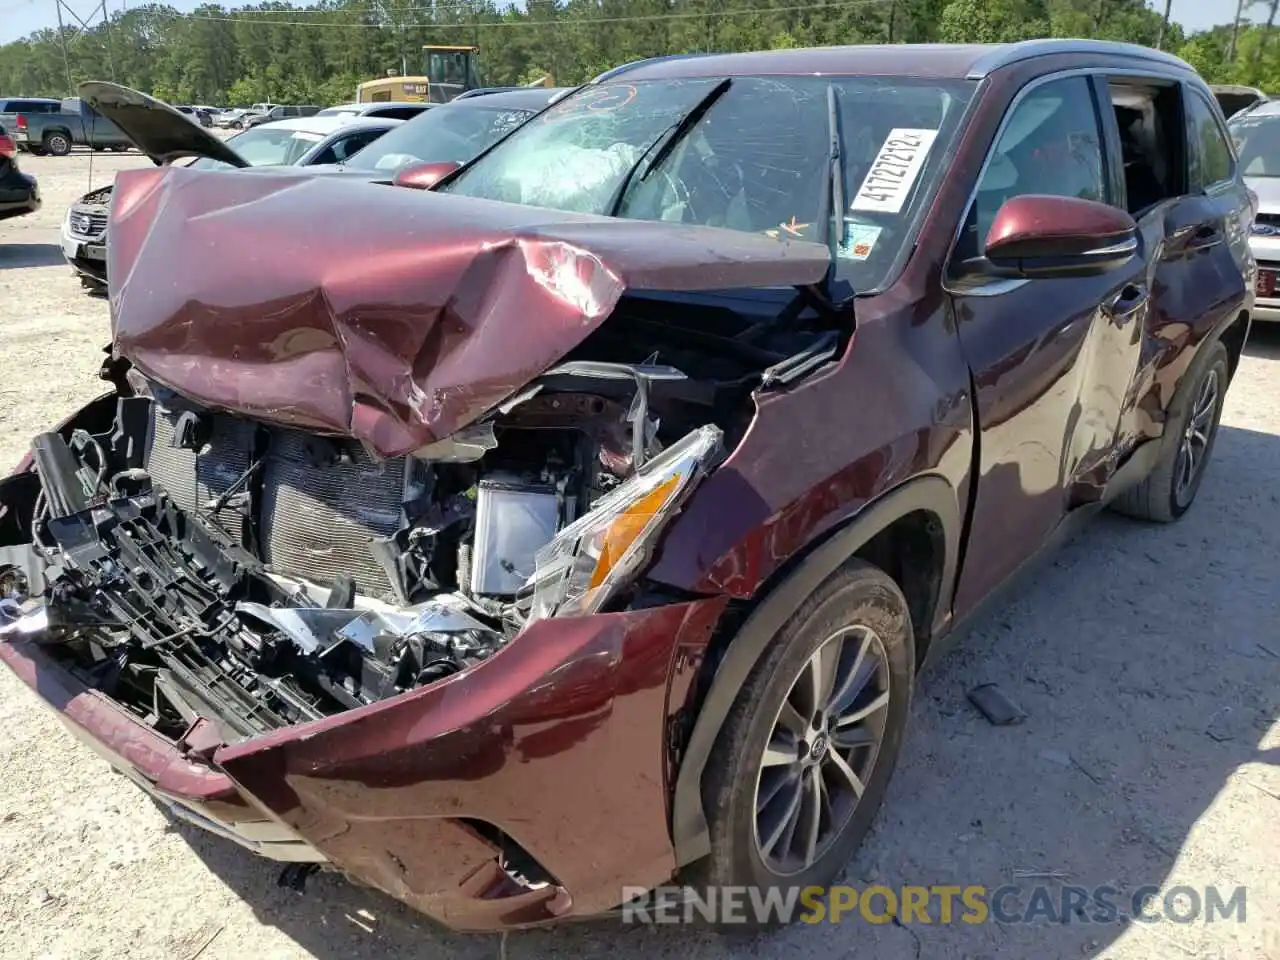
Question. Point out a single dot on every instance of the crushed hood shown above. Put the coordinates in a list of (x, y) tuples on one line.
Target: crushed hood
[(155, 128), (389, 315)]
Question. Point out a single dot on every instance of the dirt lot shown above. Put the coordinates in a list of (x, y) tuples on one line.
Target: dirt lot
[(1147, 658)]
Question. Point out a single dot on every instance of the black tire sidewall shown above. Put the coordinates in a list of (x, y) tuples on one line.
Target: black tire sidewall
[(856, 594), (1214, 358)]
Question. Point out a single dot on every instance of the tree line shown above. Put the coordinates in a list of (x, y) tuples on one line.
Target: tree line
[(317, 54)]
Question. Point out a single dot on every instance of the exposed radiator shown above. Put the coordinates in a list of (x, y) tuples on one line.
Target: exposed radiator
[(191, 478), (318, 522)]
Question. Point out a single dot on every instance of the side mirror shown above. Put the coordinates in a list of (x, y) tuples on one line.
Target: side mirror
[(1044, 236), (424, 176)]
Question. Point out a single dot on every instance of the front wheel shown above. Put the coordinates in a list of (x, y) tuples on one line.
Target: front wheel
[(1189, 434), (58, 144), (801, 766)]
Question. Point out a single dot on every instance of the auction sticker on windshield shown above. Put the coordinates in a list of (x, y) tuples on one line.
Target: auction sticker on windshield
[(888, 183)]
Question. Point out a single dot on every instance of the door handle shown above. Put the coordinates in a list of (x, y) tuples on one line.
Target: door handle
[(1206, 235), (1127, 302)]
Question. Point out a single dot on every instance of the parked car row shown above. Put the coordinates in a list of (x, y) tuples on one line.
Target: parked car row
[(333, 142), (582, 518)]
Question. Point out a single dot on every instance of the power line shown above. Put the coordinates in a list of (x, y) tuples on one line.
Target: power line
[(460, 6), (557, 22)]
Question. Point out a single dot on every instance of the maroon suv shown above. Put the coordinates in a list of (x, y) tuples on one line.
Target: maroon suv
[(584, 521)]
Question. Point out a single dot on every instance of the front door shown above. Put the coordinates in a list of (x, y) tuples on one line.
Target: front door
[(1051, 359)]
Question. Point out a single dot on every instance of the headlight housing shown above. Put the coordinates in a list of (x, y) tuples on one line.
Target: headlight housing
[(600, 552)]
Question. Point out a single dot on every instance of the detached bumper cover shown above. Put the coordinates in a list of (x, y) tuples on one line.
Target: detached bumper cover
[(559, 741)]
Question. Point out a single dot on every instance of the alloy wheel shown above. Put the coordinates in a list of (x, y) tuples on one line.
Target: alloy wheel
[(1193, 449), (821, 750)]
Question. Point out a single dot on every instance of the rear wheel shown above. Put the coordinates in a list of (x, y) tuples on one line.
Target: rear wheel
[(802, 763), (58, 144), (1190, 432)]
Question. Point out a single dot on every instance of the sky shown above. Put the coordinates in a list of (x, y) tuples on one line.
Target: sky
[(20, 17)]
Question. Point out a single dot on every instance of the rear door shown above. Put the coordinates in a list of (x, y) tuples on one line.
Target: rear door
[(1051, 358), (1198, 241)]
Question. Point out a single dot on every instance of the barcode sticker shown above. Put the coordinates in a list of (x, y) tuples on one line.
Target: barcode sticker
[(888, 183)]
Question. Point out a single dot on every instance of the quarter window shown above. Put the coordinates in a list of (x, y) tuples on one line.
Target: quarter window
[(1210, 155)]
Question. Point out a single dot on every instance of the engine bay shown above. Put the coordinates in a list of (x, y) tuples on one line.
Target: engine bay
[(199, 564), (194, 563)]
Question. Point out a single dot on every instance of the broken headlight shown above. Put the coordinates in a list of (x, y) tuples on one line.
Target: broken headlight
[(589, 560)]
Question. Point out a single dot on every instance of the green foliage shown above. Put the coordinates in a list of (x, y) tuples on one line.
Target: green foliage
[(317, 54)]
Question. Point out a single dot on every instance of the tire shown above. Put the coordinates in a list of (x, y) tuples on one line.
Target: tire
[(1167, 493), (119, 147), (237, 125), (57, 143), (858, 597)]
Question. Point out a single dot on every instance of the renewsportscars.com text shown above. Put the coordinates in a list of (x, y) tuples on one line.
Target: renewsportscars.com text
[(935, 904)]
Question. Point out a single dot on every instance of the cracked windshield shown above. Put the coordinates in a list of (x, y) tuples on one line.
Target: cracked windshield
[(751, 154)]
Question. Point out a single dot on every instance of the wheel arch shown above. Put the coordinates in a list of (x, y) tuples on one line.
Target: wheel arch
[(890, 532), (1233, 337)]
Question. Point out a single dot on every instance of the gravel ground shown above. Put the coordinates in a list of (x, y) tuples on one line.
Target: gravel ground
[(1147, 659)]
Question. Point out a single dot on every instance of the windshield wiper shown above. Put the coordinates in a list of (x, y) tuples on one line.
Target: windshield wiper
[(831, 297), (660, 148), (833, 197)]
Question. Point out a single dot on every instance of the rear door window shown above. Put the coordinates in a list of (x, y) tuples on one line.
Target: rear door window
[(396, 113), (1209, 154)]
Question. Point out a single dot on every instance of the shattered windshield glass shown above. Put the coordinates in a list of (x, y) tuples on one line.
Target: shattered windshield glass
[(757, 160)]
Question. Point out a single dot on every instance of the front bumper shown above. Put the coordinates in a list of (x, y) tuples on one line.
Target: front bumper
[(86, 256), (191, 789), (558, 747), (1266, 309)]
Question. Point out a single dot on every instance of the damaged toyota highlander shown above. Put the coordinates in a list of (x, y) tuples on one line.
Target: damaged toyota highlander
[(582, 520)]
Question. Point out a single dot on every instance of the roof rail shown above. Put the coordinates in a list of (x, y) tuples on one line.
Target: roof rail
[(624, 68), (1007, 54)]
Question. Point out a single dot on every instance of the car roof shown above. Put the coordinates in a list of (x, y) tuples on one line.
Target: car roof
[(1267, 108), (379, 105), (330, 124), (933, 60)]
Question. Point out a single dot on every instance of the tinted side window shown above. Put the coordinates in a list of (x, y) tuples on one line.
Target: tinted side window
[(354, 143), (397, 113), (1050, 144), (1208, 154)]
